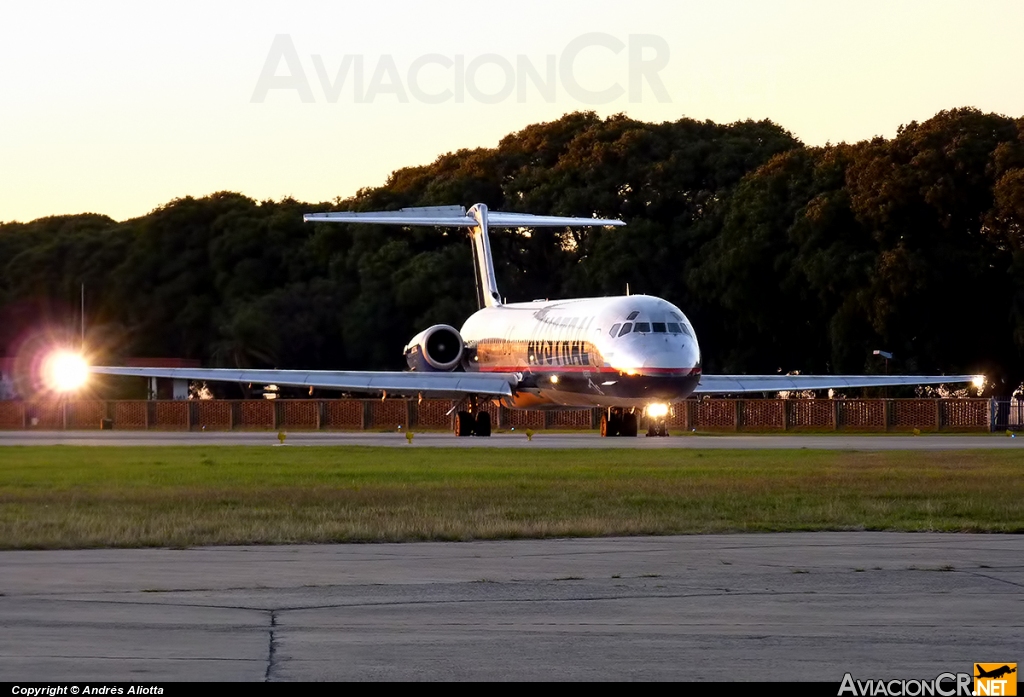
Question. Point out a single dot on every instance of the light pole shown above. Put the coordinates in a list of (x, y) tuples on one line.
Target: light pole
[(887, 356)]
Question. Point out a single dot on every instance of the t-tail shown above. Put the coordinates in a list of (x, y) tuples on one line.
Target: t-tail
[(478, 219), (483, 262)]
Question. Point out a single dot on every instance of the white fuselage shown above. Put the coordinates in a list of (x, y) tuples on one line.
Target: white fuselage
[(622, 351)]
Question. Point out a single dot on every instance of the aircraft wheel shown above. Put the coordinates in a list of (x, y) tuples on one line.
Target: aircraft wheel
[(609, 425), (629, 425), (464, 424), (483, 424)]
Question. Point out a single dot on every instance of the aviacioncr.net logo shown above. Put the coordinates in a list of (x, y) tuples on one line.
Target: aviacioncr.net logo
[(433, 78), (995, 679), (944, 685)]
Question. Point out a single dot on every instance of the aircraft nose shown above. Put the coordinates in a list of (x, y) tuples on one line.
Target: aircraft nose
[(675, 362)]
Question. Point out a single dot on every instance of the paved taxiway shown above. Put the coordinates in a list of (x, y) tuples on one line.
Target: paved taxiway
[(839, 441), (798, 606)]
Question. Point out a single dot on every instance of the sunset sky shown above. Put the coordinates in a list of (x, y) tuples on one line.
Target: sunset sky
[(117, 107)]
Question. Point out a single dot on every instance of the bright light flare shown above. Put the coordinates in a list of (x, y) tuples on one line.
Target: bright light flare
[(657, 411), (978, 381), (65, 371)]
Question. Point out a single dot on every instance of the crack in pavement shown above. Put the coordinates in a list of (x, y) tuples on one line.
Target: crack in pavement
[(272, 650), (1003, 580), (725, 592)]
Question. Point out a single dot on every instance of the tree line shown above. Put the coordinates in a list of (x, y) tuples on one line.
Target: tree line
[(785, 257)]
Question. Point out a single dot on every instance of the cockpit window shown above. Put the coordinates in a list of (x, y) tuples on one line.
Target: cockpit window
[(674, 328), (659, 328), (644, 327), (625, 328), (613, 332), (633, 315)]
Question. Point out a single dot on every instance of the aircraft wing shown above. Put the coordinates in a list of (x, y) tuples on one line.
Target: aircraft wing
[(730, 384), (392, 382)]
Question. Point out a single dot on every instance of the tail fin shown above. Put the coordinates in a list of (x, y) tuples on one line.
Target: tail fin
[(483, 263)]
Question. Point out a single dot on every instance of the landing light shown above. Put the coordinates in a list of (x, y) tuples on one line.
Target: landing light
[(65, 371), (657, 411), (978, 381)]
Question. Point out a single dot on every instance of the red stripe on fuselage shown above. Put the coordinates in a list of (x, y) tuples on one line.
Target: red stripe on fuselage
[(669, 372), (657, 372)]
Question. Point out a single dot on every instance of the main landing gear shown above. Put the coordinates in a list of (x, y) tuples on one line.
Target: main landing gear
[(618, 422), (474, 422)]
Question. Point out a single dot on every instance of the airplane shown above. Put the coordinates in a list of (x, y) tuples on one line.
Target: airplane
[(627, 355), (994, 673)]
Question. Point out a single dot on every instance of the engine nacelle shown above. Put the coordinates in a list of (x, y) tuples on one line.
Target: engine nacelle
[(437, 349)]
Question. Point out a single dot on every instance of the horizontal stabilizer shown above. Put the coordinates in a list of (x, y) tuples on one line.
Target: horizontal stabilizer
[(455, 216), (731, 384), (395, 382), (447, 216), (498, 219)]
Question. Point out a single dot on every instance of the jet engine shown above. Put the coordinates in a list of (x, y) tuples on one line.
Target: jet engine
[(437, 349)]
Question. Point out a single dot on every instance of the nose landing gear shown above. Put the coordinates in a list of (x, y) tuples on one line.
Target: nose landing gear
[(658, 427), (616, 421)]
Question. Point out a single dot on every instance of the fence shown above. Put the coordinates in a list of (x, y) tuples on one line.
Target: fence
[(432, 414), (1008, 415)]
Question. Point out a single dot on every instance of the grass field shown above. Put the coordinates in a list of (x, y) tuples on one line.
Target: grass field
[(181, 496)]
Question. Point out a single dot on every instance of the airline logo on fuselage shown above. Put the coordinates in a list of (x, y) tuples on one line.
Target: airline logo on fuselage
[(560, 353)]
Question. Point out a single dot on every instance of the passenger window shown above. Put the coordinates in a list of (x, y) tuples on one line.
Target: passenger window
[(673, 328), (659, 327), (633, 315), (613, 332), (625, 328), (643, 327)]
